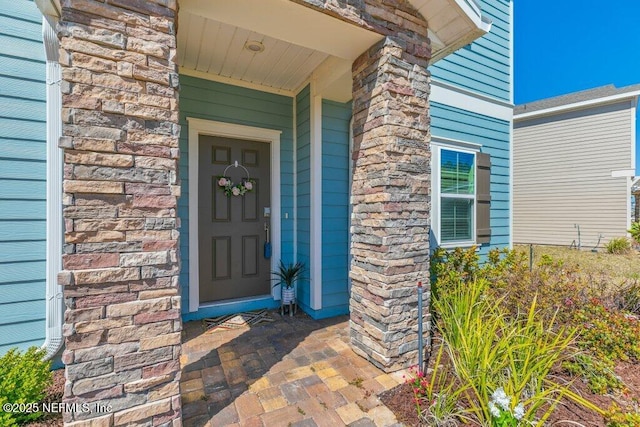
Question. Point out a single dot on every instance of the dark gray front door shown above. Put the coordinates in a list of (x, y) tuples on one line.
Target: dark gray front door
[(232, 228)]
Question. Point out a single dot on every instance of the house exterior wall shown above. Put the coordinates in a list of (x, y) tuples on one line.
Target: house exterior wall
[(483, 66), (562, 175), (22, 176), (493, 136), (210, 100), (335, 208), (480, 74)]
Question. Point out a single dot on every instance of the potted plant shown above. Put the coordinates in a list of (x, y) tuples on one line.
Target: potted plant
[(286, 276)]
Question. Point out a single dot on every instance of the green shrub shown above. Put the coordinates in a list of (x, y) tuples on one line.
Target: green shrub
[(449, 268), (24, 378), (618, 245), (618, 417), (635, 232), (598, 374), (610, 334)]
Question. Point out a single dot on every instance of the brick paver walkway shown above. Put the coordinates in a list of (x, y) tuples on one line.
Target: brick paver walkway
[(292, 372)]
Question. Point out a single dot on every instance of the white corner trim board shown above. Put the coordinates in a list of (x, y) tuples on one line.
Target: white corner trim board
[(199, 127), (315, 255)]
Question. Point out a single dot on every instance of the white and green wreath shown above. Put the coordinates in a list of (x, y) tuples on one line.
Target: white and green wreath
[(231, 189)]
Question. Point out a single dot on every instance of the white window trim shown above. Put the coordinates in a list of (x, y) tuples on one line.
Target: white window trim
[(199, 127), (463, 147)]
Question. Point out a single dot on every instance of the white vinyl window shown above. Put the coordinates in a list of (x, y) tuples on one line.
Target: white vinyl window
[(454, 196)]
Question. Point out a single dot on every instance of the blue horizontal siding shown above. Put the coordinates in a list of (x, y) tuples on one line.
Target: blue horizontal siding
[(493, 135), (16, 189), (22, 230), (22, 176), (484, 65), (24, 334), (21, 281), (209, 100), (22, 149), (335, 207)]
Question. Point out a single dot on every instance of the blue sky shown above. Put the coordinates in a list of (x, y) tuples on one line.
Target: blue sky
[(563, 46)]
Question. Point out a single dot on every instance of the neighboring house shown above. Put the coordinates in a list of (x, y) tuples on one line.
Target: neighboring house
[(359, 168), (574, 160)]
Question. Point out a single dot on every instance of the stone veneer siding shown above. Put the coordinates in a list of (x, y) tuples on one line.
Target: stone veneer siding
[(391, 180), (391, 205), (120, 139)]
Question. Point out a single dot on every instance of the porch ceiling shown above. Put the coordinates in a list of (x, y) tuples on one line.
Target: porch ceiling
[(217, 48), (297, 41)]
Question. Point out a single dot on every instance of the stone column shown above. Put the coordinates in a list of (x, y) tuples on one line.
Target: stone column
[(391, 206), (120, 139)]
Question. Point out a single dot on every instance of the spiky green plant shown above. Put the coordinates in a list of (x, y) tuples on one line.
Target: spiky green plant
[(287, 274), (635, 232)]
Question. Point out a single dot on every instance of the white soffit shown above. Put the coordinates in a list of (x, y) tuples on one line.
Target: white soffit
[(452, 24), (49, 7), (289, 22), (298, 41)]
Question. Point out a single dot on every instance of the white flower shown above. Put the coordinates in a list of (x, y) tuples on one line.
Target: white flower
[(235, 191), (518, 411), (222, 182), (248, 185), (501, 398), (494, 410)]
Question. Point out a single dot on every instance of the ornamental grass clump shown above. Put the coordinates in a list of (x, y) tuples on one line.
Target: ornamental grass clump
[(618, 245), (490, 351)]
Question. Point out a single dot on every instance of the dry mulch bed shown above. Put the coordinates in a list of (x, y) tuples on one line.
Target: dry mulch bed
[(400, 400)]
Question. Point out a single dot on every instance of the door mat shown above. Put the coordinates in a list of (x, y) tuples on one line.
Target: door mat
[(238, 320)]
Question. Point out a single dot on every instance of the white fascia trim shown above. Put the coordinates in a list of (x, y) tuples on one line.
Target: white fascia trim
[(199, 127), (578, 105), (54, 222), (315, 256), (474, 14), (234, 82), (463, 99)]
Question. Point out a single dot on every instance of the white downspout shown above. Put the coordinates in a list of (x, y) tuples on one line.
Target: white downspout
[(54, 299)]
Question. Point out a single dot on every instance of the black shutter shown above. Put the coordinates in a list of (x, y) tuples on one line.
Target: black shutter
[(483, 198)]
